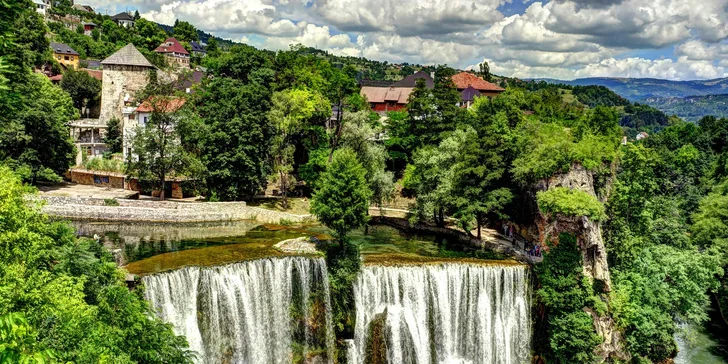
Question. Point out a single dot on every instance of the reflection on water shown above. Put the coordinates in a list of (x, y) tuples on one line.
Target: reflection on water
[(145, 248), (153, 247), (697, 346)]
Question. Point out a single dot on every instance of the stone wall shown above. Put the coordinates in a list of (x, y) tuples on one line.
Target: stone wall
[(96, 178), (119, 81), (162, 211)]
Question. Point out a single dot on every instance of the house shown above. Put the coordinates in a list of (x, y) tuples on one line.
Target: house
[(394, 97), (88, 28), (88, 137), (472, 87), (188, 80), (642, 135), (176, 54), (65, 55), (140, 116), (124, 20), (41, 6), (198, 49), (83, 8)]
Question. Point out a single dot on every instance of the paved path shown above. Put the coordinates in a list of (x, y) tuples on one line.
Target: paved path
[(87, 191)]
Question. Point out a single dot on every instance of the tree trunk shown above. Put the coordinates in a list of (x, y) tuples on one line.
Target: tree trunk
[(337, 134), (284, 190), (161, 191), (442, 216), (479, 237)]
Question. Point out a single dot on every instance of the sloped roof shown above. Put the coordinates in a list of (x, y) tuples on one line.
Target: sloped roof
[(197, 47), (61, 48), (123, 16), (411, 80), (375, 94), (464, 80), (188, 80), (97, 74), (469, 94), (127, 56), (171, 45), (164, 104)]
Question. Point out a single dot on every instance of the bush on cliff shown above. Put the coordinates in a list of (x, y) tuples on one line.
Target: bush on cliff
[(561, 200)]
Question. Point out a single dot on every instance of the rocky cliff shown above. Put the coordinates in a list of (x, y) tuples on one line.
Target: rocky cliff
[(594, 255)]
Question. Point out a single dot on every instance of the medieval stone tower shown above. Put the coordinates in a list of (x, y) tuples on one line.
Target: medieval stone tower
[(126, 72)]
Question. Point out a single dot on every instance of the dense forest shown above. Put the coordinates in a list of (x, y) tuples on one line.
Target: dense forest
[(263, 117)]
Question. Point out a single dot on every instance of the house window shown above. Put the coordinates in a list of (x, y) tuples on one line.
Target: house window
[(65, 58), (145, 120), (59, 57), (73, 58)]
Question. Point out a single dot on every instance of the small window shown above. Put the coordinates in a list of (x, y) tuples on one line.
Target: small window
[(73, 58), (145, 120), (58, 57), (65, 58)]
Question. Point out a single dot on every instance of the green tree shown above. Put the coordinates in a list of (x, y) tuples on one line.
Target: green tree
[(235, 136), (114, 136), (157, 151), (25, 138), (485, 71), (290, 110), (85, 90), (185, 32), (342, 202)]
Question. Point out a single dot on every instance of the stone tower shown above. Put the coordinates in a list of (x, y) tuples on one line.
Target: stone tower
[(126, 72)]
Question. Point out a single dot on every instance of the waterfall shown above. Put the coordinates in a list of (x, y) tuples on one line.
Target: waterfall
[(445, 313), (274, 310)]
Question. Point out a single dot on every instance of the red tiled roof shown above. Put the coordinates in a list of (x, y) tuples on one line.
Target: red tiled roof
[(57, 77), (464, 80), (175, 47), (163, 104), (97, 74)]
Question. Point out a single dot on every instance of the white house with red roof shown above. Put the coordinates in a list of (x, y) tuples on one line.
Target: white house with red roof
[(176, 54)]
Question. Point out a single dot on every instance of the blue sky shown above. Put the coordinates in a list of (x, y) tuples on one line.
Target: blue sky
[(566, 39)]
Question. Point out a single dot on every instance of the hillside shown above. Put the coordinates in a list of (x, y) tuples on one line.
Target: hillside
[(692, 108), (636, 89)]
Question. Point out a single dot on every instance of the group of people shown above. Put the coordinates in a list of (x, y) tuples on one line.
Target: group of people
[(508, 231), (535, 251)]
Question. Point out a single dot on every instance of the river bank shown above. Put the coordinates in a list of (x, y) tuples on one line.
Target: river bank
[(97, 209)]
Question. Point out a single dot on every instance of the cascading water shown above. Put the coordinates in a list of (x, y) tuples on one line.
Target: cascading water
[(273, 310), (445, 313)]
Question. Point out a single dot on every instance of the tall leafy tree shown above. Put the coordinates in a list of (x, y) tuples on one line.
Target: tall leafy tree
[(185, 32), (235, 136), (84, 89), (290, 110), (157, 150), (342, 202)]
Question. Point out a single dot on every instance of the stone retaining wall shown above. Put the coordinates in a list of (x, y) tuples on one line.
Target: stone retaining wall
[(81, 208)]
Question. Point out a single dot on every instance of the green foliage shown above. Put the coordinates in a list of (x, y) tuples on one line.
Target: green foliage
[(570, 202), (185, 32), (71, 293), (27, 132), (105, 165), (565, 292), (553, 149), (18, 342), (85, 90), (114, 136), (111, 202), (157, 151), (343, 262), (234, 136), (342, 201)]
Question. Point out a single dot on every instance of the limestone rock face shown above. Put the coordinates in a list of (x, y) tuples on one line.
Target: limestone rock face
[(594, 255)]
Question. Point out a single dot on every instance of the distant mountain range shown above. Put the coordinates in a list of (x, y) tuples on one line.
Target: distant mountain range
[(692, 108), (640, 89)]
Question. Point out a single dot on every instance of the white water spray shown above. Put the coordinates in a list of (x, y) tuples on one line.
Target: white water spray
[(263, 311), (445, 313)]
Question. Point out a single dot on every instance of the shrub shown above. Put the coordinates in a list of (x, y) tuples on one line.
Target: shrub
[(561, 200), (111, 202)]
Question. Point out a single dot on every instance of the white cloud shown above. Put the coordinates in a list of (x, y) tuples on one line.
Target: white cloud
[(558, 38)]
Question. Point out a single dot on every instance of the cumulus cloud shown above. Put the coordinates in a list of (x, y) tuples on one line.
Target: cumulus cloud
[(558, 38), (682, 69)]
